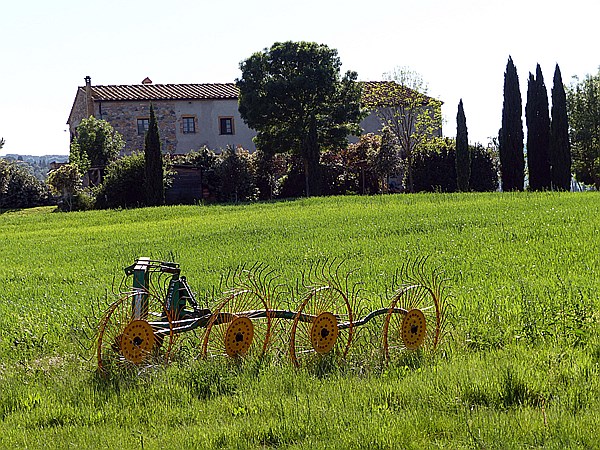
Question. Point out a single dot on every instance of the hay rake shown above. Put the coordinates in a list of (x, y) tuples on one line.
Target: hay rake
[(256, 315)]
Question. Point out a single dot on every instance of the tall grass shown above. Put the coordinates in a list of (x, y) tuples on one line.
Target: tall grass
[(519, 369)]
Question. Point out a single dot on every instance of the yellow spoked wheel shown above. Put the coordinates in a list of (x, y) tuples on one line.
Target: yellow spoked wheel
[(322, 325), (137, 341), (240, 326), (414, 329), (324, 332), (130, 337), (239, 336), (414, 320)]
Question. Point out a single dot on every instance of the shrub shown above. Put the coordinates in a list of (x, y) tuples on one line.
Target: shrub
[(234, 176), (123, 185), (484, 170), (268, 171), (434, 168), (293, 184), (19, 188)]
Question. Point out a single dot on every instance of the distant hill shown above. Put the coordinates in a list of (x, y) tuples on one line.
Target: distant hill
[(37, 165)]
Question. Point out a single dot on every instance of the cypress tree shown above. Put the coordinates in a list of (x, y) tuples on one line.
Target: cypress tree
[(463, 158), (538, 132), (512, 160), (560, 149), (153, 164)]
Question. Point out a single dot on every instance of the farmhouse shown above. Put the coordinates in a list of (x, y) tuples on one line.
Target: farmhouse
[(189, 116)]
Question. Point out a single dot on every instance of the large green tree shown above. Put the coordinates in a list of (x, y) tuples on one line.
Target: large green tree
[(153, 164), (402, 104), (19, 188), (510, 138), (295, 98), (96, 144), (538, 132), (583, 106), (463, 157), (560, 148)]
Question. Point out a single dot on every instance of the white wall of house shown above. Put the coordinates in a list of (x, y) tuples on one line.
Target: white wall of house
[(207, 115)]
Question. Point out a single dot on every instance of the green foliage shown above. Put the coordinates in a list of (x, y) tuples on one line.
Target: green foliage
[(538, 133), (268, 170), (414, 118), (153, 164), (204, 158), (560, 147), (19, 188), (512, 159), (234, 176), (463, 157), (357, 161), (96, 144), (484, 169), (123, 185), (583, 104), (386, 159), (294, 97), (293, 183), (66, 183), (435, 168)]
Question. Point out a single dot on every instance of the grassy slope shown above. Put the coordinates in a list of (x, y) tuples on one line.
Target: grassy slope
[(520, 369)]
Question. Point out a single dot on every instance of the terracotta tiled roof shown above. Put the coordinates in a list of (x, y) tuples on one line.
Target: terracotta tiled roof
[(143, 92)]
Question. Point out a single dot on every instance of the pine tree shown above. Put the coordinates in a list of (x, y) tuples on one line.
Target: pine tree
[(560, 149), (155, 191), (512, 160), (463, 158), (538, 132)]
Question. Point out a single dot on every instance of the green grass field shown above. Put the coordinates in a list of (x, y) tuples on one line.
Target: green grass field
[(519, 367)]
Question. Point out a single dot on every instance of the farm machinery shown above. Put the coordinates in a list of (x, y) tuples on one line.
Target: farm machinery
[(156, 316)]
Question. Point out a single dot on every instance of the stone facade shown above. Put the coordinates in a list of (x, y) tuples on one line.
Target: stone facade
[(184, 124), (123, 116)]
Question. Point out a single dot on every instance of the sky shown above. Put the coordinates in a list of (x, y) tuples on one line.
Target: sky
[(460, 47)]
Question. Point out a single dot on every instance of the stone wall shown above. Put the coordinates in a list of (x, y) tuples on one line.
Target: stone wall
[(123, 117), (78, 112)]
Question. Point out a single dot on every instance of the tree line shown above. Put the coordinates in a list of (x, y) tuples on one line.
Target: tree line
[(562, 142), (303, 110)]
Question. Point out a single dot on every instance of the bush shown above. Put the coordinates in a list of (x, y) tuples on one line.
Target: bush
[(435, 169), (293, 184), (20, 189), (234, 176), (268, 171), (484, 170), (123, 185)]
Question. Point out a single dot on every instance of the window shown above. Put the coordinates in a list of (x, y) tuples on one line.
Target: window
[(226, 125), (188, 125), (142, 126)]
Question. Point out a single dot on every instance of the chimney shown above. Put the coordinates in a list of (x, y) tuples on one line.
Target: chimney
[(89, 101)]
